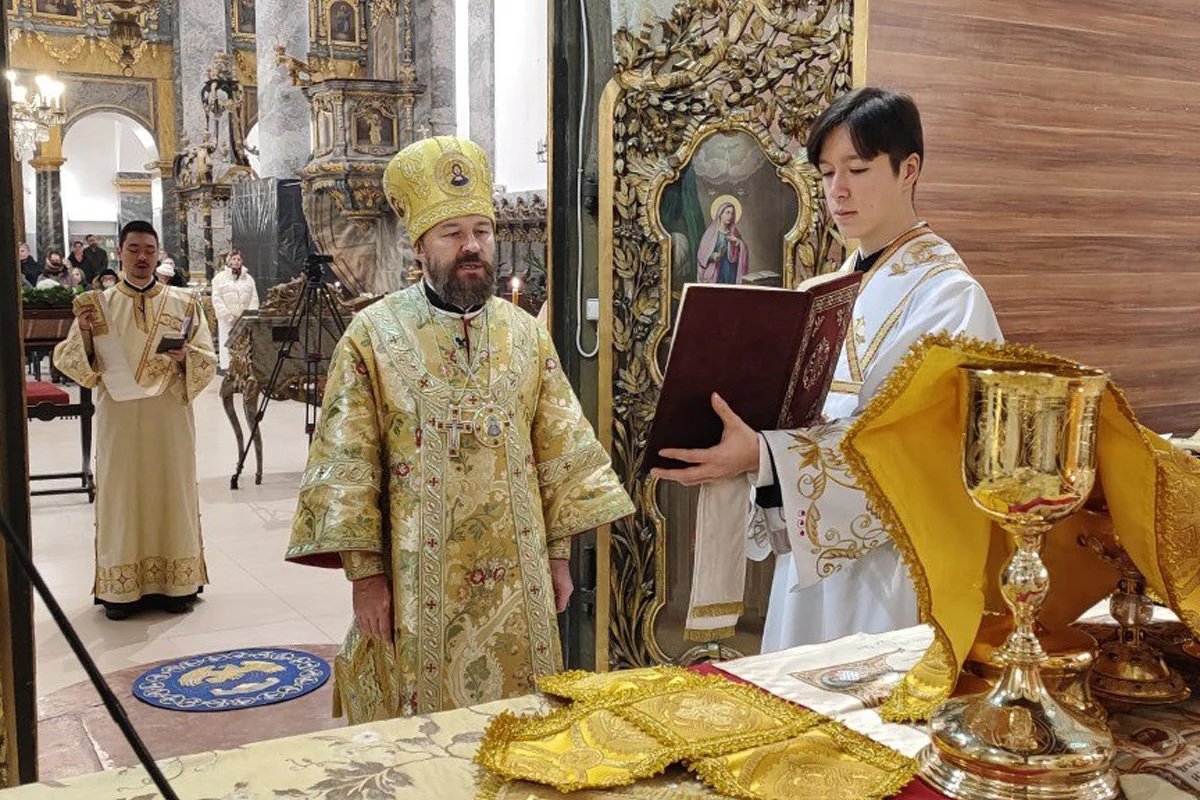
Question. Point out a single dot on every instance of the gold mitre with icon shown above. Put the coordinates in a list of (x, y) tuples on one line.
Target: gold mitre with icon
[(439, 178), (905, 450)]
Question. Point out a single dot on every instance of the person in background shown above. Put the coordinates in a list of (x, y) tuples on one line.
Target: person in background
[(95, 255), (163, 273), (76, 260), (233, 292), (30, 267), (178, 276), (55, 273), (106, 279)]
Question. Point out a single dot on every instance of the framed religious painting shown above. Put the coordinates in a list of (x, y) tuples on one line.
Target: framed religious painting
[(703, 179), (69, 9), (343, 23), (375, 129), (243, 19)]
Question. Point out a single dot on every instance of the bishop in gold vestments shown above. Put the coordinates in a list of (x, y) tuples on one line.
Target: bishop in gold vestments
[(452, 456), (147, 504)]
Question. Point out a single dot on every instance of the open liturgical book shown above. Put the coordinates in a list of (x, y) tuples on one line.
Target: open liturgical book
[(174, 341), (770, 353)]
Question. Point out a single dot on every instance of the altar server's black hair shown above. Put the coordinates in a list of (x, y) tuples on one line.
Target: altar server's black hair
[(877, 120)]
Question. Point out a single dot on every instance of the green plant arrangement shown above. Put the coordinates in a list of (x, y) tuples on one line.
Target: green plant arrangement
[(53, 297)]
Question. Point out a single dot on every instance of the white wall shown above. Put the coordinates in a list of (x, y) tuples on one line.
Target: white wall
[(462, 67), (521, 78), (96, 148)]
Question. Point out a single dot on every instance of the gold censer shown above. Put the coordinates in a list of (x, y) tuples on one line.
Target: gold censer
[(1029, 461)]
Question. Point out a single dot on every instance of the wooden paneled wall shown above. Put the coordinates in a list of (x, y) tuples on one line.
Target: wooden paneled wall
[(1063, 162)]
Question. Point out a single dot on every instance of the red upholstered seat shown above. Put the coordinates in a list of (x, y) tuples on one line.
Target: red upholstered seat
[(39, 392)]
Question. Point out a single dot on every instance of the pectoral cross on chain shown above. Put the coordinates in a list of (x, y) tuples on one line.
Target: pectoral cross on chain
[(454, 428)]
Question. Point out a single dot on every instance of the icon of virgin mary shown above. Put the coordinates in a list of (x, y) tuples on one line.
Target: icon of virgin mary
[(723, 255)]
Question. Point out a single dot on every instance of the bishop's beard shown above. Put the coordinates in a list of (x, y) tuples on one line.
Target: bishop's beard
[(462, 291)]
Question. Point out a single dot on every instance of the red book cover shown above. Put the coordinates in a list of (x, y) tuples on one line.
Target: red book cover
[(769, 352)]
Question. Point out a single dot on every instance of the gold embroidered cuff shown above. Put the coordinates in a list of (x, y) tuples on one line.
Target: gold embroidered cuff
[(559, 548), (360, 564)]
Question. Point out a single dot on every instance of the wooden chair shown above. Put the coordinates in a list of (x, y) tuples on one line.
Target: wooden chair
[(46, 402)]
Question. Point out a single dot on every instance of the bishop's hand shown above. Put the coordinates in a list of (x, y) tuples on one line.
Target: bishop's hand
[(736, 454), (560, 578), (373, 607)]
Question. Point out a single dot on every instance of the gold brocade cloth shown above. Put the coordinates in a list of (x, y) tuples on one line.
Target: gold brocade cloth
[(627, 726), (905, 450)]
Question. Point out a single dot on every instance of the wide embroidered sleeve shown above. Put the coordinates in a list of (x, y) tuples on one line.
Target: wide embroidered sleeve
[(826, 513), (338, 509), (579, 488), (72, 359), (200, 363)]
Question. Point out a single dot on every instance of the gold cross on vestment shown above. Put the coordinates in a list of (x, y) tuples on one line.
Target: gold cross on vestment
[(454, 428)]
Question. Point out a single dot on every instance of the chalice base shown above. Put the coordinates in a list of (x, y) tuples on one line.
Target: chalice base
[(1066, 672), (1136, 674), (1017, 743)]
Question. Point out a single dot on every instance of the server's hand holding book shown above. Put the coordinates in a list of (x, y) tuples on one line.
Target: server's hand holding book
[(174, 341), (768, 353)]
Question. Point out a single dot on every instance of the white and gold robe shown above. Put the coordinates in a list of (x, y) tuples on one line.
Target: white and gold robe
[(452, 456), (147, 502), (836, 573), (843, 575)]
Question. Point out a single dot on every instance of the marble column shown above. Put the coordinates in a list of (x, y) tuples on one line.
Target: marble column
[(47, 167), (172, 214), (133, 198), (284, 125), (50, 232), (203, 30), (481, 48), (433, 23)]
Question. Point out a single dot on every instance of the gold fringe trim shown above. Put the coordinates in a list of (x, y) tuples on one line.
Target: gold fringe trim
[(709, 634), (507, 729), (899, 770), (703, 758), (719, 609)]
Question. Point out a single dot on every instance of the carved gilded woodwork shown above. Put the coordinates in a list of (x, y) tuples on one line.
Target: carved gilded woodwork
[(521, 218), (757, 68)]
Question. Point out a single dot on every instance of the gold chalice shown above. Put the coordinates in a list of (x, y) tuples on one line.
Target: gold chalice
[(1028, 461), (1129, 669), (1070, 658)]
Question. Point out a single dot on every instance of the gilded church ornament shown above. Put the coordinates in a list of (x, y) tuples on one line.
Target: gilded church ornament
[(758, 68)]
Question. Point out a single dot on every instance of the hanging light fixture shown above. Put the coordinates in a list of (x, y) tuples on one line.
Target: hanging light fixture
[(125, 29), (34, 114)]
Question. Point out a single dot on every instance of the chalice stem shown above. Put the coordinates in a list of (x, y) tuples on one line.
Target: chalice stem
[(1024, 584)]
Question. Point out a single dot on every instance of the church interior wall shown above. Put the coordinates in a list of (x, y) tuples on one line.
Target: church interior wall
[(521, 86), (96, 147), (1059, 139)]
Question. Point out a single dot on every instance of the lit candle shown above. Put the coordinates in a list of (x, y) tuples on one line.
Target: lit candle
[(515, 285)]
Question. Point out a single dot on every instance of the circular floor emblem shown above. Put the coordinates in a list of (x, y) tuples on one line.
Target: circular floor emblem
[(232, 680)]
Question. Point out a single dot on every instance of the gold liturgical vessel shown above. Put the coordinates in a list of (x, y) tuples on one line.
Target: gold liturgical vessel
[(1029, 461), (1129, 668)]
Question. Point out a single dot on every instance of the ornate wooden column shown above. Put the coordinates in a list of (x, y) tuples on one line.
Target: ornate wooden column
[(18, 717)]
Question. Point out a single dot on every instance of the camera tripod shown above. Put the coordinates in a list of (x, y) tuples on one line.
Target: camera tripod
[(315, 312)]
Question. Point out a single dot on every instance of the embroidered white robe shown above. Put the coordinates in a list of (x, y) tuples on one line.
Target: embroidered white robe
[(843, 575)]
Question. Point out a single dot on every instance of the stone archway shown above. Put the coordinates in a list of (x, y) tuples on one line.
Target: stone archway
[(109, 174)]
